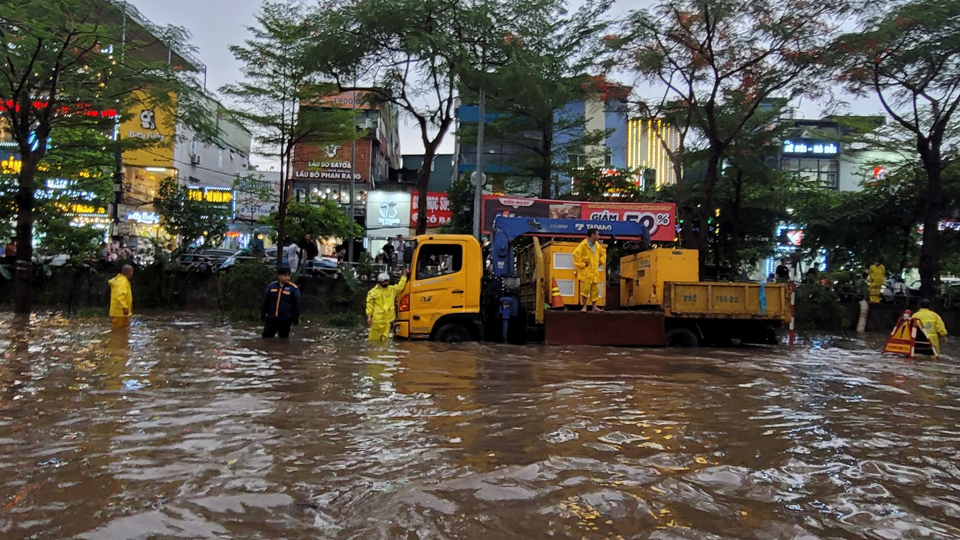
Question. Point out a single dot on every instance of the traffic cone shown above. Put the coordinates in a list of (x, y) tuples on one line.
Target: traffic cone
[(556, 301)]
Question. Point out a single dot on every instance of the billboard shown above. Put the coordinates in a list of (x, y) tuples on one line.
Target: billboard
[(331, 162), (152, 124), (660, 218), (388, 210), (438, 209)]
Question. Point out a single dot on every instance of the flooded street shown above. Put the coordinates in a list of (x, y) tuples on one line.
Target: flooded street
[(182, 428)]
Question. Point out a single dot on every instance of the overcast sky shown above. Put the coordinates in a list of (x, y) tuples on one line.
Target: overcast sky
[(217, 24)]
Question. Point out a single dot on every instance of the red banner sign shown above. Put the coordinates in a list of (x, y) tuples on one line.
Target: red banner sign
[(438, 209), (660, 218)]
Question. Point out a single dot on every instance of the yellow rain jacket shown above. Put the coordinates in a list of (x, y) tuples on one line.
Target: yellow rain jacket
[(121, 296), (381, 302), (932, 326), (876, 275), (588, 262)]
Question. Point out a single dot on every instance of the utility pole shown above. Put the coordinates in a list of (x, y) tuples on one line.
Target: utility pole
[(478, 186), (353, 172)]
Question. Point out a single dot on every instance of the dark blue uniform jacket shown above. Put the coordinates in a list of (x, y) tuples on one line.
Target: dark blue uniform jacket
[(281, 302)]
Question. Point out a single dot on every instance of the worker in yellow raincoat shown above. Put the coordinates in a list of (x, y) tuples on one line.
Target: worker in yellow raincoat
[(932, 325), (121, 297), (875, 277), (381, 305), (588, 259)]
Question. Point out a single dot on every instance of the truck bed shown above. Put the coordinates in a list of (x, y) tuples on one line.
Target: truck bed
[(726, 301), (610, 328)]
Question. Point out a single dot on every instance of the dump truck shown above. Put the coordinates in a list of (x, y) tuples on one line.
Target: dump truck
[(455, 293)]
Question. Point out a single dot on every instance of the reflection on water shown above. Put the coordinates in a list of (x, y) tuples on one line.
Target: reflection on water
[(186, 429)]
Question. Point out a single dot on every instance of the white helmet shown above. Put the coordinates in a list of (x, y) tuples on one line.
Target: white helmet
[(383, 277)]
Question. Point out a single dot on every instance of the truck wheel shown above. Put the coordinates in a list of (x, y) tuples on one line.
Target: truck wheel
[(453, 333), (681, 337)]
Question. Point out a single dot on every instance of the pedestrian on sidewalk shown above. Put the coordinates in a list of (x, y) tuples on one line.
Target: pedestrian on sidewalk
[(121, 297), (293, 255), (280, 306), (309, 251), (381, 305)]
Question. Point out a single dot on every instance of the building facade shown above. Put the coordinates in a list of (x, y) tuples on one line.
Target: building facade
[(651, 143), (327, 171), (593, 114)]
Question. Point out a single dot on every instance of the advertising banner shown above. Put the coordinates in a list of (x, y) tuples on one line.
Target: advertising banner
[(438, 209), (660, 218), (332, 162), (151, 124), (388, 210)]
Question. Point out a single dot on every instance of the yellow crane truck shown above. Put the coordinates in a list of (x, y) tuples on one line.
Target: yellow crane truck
[(456, 294)]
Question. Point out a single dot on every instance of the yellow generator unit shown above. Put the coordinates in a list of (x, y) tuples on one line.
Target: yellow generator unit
[(558, 264), (642, 275)]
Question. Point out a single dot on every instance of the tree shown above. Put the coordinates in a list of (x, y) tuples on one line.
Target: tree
[(857, 228), (251, 192), (281, 84), (728, 55), (542, 71), (460, 195), (909, 58), (66, 66), (414, 52), (188, 216), (323, 220)]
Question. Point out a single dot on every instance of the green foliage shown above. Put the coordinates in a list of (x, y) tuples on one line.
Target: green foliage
[(342, 320), (460, 195), (65, 63), (856, 228), (188, 218), (819, 308), (533, 79), (321, 220), (241, 289), (907, 56), (720, 60), (62, 238), (412, 54), (281, 81)]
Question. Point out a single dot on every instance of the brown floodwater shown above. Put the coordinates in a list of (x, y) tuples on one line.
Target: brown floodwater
[(187, 428)]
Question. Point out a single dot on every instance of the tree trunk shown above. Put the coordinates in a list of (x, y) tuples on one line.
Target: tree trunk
[(930, 249), (706, 206), (423, 185), (25, 199)]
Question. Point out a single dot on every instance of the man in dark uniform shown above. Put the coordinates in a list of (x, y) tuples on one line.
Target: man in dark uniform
[(280, 306)]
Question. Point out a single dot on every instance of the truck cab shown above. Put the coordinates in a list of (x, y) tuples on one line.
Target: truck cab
[(441, 300)]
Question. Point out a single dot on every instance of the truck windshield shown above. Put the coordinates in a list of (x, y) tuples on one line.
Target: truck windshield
[(439, 260)]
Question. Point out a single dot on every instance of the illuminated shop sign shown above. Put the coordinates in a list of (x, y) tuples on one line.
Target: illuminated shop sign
[(218, 197), (811, 148), (146, 218)]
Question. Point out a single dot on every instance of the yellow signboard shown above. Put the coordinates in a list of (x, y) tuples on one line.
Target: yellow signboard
[(151, 123), (11, 165), (211, 195)]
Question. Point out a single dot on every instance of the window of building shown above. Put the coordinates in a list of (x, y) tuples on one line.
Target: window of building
[(439, 260), (823, 172), (608, 157)]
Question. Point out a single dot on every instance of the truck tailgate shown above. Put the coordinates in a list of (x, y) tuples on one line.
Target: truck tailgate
[(726, 301), (609, 328)]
